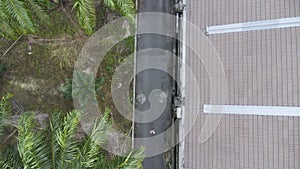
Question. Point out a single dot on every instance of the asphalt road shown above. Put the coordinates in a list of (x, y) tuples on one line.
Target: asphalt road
[(151, 79)]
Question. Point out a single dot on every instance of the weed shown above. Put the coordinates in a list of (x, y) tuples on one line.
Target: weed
[(66, 87), (59, 26), (3, 69), (65, 54), (99, 82)]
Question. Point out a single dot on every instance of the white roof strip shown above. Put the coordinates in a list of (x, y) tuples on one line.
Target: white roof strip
[(251, 26), (252, 110)]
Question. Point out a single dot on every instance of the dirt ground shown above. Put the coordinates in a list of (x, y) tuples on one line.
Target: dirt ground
[(35, 79)]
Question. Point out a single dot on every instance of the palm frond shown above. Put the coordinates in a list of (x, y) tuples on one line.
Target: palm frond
[(110, 3), (108, 163), (5, 29), (133, 160), (17, 10), (5, 110), (10, 158), (58, 146), (66, 138), (32, 146), (56, 124), (38, 9), (22, 17), (91, 149), (86, 14), (126, 7), (101, 129)]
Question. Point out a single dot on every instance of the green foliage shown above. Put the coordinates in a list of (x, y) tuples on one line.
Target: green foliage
[(3, 69), (5, 110), (82, 86), (37, 151), (17, 16), (66, 88), (10, 158), (132, 161), (32, 148), (66, 139), (125, 7), (58, 146), (86, 14), (136, 157), (90, 150), (60, 26), (99, 82), (38, 8), (130, 44), (24, 16), (56, 123)]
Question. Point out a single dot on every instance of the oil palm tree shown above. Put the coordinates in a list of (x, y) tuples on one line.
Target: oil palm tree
[(5, 109), (58, 146), (17, 16), (86, 12), (20, 16)]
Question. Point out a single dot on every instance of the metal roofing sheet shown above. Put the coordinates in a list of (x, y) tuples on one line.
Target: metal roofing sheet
[(262, 69)]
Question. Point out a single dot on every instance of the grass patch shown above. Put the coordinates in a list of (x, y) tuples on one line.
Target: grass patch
[(66, 87), (59, 26), (34, 79), (111, 61), (3, 69), (65, 54)]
